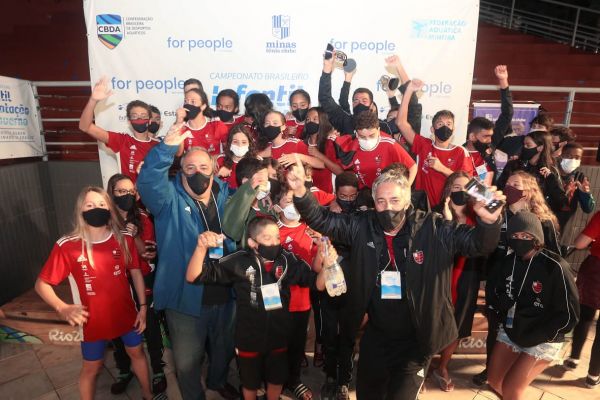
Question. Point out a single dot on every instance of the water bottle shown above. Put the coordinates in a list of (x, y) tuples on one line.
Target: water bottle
[(334, 276)]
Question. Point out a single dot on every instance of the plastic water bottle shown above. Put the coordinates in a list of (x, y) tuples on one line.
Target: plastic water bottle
[(335, 283)]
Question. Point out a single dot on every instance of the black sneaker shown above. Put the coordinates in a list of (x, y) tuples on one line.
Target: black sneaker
[(123, 380), (592, 383), (328, 391), (159, 383), (481, 378), (342, 393), (570, 364)]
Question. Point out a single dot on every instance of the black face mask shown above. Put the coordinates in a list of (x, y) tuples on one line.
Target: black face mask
[(359, 108), (153, 127), (310, 128), (393, 127), (125, 202), (198, 182), (269, 252), (225, 116), (300, 114), (96, 217), (271, 132), (527, 154), (521, 246), (459, 198), (481, 147), (389, 219), (275, 186), (139, 125), (443, 133), (191, 111), (347, 206)]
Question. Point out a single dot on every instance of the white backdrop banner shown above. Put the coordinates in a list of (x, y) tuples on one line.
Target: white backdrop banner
[(148, 48), (19, 123)]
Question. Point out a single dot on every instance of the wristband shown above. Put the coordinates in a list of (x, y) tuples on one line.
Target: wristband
[(143, 304)]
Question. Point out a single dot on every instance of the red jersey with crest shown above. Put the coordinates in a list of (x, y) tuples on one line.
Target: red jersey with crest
[(294, 128), (322, 178), (103, 288), (480, 168), (432, 182), (295, 239), (237, 119), (131, 151), (146, 234), (231, 179), (322, 197), (367, 164), (290, 146), (211, 136)]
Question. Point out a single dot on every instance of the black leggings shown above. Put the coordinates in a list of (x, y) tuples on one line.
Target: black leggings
[(586, 316), (296, 344)]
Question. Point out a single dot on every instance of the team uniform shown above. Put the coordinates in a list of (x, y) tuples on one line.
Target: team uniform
[(131, 151), (290, 146), (294, 128), (432, 182), (212, 136), (231, 179), (367, 164), (237, 119), (481, 168), (103, 289), (323, 177)]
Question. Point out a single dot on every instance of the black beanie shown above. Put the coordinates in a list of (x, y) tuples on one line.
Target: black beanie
[(525, 221)]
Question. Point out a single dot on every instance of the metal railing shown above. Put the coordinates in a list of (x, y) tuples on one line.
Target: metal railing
[(554, 20)]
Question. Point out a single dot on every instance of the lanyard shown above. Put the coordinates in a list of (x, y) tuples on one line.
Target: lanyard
[(512, 277), (260, 270), (199, 206)]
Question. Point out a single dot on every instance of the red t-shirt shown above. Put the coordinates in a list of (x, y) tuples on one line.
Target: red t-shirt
[(592, 230), (295, 239), (322, 197), (294, 128), (480, 167), (322, 178), (432, 182), (390, 248), (231, 179), (146, 234), (131, 151), (103, 288), (367, 165), (289, 147), (211, 136)]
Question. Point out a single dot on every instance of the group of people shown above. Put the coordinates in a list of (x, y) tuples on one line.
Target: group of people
[(229, 226)]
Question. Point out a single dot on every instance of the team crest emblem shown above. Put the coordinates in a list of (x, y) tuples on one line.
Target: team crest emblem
[(110, 29), (278, 271), (537, 287), (418, 256), (116, 253)]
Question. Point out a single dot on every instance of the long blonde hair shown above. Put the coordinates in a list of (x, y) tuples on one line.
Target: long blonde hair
[(535, 198), (114, 223)]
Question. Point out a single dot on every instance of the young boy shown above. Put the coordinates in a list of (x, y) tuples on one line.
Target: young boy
[(261, 276)]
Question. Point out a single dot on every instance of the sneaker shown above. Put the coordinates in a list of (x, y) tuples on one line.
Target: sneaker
[(123, 380), (481, 378), (160, 396), (228, 392), (592, 383), (159, 383), (570, 364), (328, 390), (342, 393)]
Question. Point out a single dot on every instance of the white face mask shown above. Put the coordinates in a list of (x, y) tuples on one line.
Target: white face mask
[(569, 164), (262, 194), (290, 213), (239, 151), (368, 144)]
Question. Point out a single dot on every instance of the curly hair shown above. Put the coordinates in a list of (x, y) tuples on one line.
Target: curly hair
[(535, 198)]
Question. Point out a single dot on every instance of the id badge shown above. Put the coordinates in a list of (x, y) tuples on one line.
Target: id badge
[(481, 171), (271, 298), (391, 286), (214, 253), (510, 316)]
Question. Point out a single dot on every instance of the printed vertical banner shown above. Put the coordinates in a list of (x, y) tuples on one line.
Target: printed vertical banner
[(20, 134), (147, 50), (523, 114)]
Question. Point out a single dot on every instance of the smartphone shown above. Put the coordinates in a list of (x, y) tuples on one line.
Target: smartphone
[(329, 51), (475, 188)]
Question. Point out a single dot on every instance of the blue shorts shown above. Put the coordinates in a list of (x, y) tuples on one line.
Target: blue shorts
[(94, 351), (544, 351)]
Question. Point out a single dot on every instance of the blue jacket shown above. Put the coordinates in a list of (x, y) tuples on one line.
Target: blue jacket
[(177, 224)]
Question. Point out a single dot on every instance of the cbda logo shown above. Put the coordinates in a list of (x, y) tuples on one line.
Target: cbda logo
[(110, 29)]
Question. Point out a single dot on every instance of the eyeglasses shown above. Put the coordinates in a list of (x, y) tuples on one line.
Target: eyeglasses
[(123, 192)]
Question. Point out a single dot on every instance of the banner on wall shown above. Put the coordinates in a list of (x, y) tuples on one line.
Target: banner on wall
[(20, 134), (148, 48), (523, 114)]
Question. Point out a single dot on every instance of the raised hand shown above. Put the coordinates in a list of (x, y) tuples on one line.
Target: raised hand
[(415, 84), (174, 137), (101, 90), (210, 239), (501, 72), (483, 213), (296, 178)]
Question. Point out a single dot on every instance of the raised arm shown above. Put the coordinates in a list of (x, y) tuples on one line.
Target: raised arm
[(86, 121), (345, 91), (405, 127), (503, 125), (205, 240)]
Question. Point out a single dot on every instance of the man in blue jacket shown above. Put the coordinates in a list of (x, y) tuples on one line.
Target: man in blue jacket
[(198, 316)]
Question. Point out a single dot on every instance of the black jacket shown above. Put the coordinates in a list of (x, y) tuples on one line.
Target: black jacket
[(548, 305), (432, 246), (257, 329)]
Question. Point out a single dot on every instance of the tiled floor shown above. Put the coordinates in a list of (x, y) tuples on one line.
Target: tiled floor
[(46, 372)]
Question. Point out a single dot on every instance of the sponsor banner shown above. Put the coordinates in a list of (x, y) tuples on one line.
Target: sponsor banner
[(147, 49), (20, 134), (523, 114)]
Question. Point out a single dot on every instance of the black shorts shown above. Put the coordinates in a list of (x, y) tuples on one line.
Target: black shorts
[(257, 368)]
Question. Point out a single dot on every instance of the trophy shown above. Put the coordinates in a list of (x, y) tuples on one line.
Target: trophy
[(341, 59), (388, 83)]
